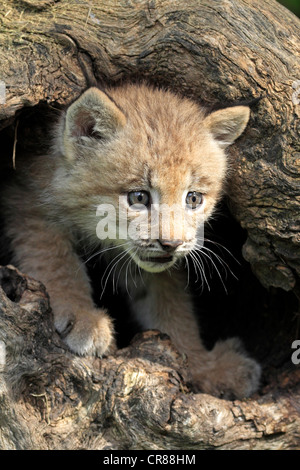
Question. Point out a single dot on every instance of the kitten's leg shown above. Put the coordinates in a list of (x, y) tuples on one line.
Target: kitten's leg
[(224, 371), (47, 254)]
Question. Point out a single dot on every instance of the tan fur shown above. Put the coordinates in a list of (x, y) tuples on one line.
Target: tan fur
[(107, 144)]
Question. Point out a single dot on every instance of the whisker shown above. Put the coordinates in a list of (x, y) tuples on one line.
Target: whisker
[(105, 250), (214, 264), (219, 259), (221, 247), (133, 280), (115, 260), (120, 270), (196, 270), (199, 263), (126, 276), (128, 262), (188, 272), (141, 274), (100, 252)]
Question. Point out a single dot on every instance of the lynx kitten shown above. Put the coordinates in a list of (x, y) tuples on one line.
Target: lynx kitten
[(134, 149)]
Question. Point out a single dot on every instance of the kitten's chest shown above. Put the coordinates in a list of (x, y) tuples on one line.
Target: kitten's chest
[(142, 301)]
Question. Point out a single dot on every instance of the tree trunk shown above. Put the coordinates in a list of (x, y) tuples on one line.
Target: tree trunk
[(214, 52)]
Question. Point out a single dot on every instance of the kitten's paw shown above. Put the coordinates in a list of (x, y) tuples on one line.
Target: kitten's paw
[(241, 374), (91, 333), (230, 372)]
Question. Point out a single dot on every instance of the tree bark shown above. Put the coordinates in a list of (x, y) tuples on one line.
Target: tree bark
[(214, 52), (51, 399)]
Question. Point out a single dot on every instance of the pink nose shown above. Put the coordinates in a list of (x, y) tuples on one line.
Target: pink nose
[(170, 245)]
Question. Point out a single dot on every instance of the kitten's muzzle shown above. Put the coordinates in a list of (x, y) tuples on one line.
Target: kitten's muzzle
[(169, 246)]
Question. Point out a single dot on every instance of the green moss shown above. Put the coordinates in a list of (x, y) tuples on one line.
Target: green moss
[(292, 5)]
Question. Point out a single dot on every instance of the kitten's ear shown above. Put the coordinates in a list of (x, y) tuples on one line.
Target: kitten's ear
[(93, 114), (227, 124)]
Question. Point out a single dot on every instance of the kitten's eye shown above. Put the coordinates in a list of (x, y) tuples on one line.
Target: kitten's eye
[(194, 199), (139, 197)]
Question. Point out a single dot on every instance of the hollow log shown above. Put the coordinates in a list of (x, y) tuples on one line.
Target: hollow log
[(214, 52), (51, 399)]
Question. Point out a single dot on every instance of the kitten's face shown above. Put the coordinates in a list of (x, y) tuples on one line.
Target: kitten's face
[(154, 170), (167, 205), (160, 232)]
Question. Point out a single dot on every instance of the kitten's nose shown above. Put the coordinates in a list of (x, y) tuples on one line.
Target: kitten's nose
[(170, 245)]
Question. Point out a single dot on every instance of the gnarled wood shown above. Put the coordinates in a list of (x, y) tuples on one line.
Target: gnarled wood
[(135, 400), (214, 52)]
